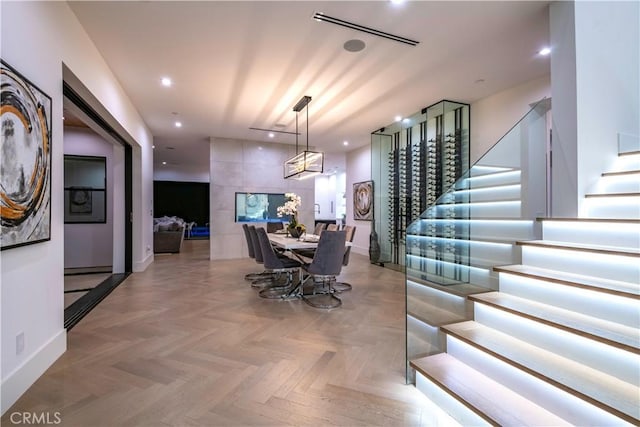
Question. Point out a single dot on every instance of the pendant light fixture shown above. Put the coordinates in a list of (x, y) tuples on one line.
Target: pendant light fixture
[(307, 163)]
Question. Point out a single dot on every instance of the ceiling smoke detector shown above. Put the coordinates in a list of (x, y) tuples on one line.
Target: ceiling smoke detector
[(354, 45)]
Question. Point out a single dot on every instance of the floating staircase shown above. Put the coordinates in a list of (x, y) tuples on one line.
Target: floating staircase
[(558, 341)]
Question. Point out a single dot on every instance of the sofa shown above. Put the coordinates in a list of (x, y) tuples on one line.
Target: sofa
[(168, 234)]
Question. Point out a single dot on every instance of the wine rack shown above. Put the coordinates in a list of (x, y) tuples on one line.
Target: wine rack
[(413, 162)]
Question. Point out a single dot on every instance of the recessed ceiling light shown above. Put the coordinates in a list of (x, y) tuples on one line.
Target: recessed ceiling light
[(153, 146), (164, 163), (397, 1), (271, 134), (166, 81), (544, 51), (260, 148), (345, 143), (178, 124), (398, 118)]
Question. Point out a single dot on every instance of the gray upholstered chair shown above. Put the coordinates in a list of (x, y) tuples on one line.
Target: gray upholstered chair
[(266, 278), (351, 232), (279, 265), (272, 227), (252, 255), (326, 265), (319, 228)]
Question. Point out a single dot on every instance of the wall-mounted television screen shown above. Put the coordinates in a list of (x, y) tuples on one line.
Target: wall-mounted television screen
[(259, 207)]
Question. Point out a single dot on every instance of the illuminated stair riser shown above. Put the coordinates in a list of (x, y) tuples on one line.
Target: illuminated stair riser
[(508, 230), (628, 183), (627, 163), (623, 235), (481, 276), (425, 340), (613, 361), (611, 207), (435, 298), (499, 209), (449, 404), (613, 308), (561, 403), (613, 267), (489, 194), (503, 178), (488, 252)]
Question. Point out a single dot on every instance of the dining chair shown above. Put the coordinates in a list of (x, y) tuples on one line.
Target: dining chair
[(278, 265), (272, 227), (332, 227), (267, 277), (252, 255), (351, 232), (319, 228), (326, 265)]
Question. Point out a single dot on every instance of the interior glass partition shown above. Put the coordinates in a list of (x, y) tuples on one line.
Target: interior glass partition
[(413, 160), (452, 247)]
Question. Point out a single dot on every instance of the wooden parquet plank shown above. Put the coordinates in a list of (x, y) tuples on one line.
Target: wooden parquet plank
[(189, 343)]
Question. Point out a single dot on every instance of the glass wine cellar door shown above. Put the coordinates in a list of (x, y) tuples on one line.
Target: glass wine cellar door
[(413, 161)]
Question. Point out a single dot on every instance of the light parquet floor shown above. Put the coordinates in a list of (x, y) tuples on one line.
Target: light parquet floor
[(189, 343)]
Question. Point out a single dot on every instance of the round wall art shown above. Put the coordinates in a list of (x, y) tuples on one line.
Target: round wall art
[(25, 161), (363, 201)]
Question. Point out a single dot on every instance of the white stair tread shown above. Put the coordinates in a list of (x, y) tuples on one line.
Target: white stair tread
[(431, 254), (466, 239), (479, 170), (456, 288), (431, 314), (622, 173), (489, 399), (610, 250), (605, 391), (612, 195), (583, 220), (610, 333), (472, 185), (615, 287)]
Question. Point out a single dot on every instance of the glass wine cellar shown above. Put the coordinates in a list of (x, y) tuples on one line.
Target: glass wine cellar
[(413, 162)]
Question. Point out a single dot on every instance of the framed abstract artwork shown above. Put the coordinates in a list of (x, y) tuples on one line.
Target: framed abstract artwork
[(25, 161), (363, 201), (85, 189)]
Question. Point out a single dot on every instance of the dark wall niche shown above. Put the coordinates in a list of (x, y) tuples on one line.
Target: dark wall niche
[(187, 200)]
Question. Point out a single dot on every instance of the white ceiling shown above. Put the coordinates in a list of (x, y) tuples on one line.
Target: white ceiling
[(242, 64)]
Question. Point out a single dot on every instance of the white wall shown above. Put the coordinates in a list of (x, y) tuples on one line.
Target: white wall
[(90, 245), (493, 116), (595, 68), (607, 84), (358, 170), (564, 200), (36, 39), (248, 166)]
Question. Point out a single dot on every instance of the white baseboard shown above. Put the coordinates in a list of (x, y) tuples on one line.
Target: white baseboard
[(140, 266), (360, 250), (23, 377)]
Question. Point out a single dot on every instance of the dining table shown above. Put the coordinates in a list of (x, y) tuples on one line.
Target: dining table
[(307, 241)]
